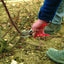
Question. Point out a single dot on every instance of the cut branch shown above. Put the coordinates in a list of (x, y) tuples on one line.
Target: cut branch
[(10, 17)]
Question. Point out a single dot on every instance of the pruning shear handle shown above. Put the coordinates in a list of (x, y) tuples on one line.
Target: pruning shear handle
[(41, 34)]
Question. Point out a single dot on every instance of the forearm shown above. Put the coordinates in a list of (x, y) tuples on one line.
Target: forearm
[(48, 10)]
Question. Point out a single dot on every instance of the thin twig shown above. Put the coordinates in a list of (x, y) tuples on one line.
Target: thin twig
[(6, 32)]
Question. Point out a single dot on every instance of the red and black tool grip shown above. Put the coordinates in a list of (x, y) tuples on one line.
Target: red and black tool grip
[(41, 34)]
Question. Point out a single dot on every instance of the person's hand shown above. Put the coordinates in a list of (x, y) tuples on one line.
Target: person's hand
[(38, 28)]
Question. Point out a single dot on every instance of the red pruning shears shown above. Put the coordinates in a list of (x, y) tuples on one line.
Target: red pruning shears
[(37, 34), (41, 34)]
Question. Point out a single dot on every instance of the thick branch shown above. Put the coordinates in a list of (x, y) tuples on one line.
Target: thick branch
[(10, 17)]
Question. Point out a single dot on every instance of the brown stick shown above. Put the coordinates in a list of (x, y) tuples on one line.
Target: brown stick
[(10, 17), (6, 32)]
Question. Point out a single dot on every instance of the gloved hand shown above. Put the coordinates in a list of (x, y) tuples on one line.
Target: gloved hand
[(38, 28)]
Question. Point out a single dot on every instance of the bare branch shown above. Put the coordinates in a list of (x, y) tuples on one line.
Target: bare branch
[(10, 17)]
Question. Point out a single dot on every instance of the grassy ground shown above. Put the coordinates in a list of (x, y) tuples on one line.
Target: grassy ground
[(26, 50)]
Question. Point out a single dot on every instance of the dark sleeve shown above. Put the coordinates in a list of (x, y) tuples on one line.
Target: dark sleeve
[(48, 10)]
